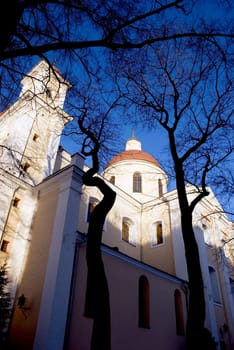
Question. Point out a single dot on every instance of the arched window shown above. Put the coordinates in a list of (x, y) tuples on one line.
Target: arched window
[(214, 285), (144, 303), (92, 204), (159, 233), (179, 313), (160, 188), (137, 182), (129, 232), (156, 234), (125, 230)]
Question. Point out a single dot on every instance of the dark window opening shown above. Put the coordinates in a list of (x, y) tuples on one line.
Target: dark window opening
[(48, 92), (4, 246), (15, 202), (35, 137), (137, 185), (144, 304), (112, 180), (26, 167), (159, 233), (160, 188)]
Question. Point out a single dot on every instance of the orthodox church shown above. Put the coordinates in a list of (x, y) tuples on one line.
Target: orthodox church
[(45, 212)]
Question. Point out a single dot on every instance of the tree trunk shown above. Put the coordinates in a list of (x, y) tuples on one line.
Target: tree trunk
[(197, 337), (196, 312), (97, 304)]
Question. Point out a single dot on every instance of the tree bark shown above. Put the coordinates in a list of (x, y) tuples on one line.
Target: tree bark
[(196, 311), (97, 304)]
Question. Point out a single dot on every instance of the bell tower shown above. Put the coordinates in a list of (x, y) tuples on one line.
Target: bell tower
[(32, 126)]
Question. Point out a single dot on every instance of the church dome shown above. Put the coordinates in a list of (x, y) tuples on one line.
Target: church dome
[(137, 172), (133, 152)]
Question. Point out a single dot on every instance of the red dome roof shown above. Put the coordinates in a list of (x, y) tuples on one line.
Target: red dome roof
[(133, 155)]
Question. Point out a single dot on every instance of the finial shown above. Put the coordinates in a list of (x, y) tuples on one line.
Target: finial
[(133, 143)]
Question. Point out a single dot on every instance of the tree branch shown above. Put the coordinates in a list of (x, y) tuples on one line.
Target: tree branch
[(69, 45), (204, 192)]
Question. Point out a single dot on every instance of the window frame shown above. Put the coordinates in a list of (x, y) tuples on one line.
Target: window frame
[(4, 246), (137, 182), (143, 302), (132, 234), (160, 188), (155, 234), (125, 231)]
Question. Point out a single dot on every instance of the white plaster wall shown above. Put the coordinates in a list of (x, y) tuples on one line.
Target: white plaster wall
[(7, 191), (16, 128), (22, 239), (177, 238), (124, 170), (56, 290)]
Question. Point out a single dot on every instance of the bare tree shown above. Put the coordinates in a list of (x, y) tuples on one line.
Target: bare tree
[(97, 304), (71, 30), (66, 31), (186, 88)]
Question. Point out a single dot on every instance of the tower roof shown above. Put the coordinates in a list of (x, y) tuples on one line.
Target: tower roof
[(133, 152)]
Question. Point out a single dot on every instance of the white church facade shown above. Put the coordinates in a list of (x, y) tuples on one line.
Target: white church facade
[(44, 221)]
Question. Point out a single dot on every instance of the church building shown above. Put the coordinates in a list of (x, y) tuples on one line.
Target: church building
[(45, 212)]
